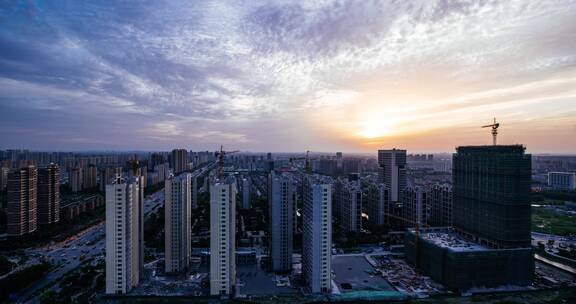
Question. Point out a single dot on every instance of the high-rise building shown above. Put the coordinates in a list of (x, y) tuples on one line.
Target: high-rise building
[(492, 194), (440, 197), (179, 160), (177, 223), (245, 193), (281, 202), (21, 211), (317, 234), (490, 244), (416, 206), (48, 195), (124, 234), (348, 203), (3, 177), (393, 172), (75, 179), (378, 204), (90, 177), (565, 181), (107, 176), (223, 236)]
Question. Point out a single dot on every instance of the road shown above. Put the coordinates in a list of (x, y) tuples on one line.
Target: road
[(66, 255)]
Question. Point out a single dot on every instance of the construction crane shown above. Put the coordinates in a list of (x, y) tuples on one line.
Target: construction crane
[(307, 167), (494, 127), (221, 154)]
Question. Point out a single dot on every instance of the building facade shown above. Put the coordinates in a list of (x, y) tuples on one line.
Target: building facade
[(440, 198), (317, 234), (49, 195), (223, 236), (378, 204), (281, 202), (416, 206), (21, 213), (392, 172), (177, 215), (565, 181), (348, 203), (124, 234), (179, 160)]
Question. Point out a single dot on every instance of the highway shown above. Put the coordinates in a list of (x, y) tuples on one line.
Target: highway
[(66, 256)]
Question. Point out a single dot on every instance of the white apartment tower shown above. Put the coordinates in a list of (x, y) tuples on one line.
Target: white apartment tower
[(317, 234), (177, 215), (223, 236), (124, 235), (281, 202)]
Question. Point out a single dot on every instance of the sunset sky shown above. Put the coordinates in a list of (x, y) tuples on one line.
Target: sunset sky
[(324, 75)]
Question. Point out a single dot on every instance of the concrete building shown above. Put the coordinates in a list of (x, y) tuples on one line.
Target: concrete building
[(281, 202), (124, 234), (223, 236), (48, 195), (177, 227), (440, 198), (3, 177), (21, 210), (317, 234), (378, 204), (107, 176), (564, 181), (416, 206), (90, 177), (490, 244), (393, 172), (75, 179), (347, 199), (246, 193), (492, 195), (179, 160)]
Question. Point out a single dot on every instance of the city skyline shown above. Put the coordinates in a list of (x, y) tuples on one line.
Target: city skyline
[(279, 76)]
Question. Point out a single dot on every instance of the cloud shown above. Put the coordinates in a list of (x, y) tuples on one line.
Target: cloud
[(223, 68)]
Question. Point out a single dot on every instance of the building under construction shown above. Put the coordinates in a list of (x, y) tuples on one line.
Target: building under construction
[(489, 244)]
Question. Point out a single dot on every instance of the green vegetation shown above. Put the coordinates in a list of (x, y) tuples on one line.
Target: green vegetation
[(548, 220), (21, 279), (79, 286), (552, 197), (154, 231)]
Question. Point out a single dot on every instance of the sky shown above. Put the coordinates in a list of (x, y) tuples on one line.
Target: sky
[(324, 75)]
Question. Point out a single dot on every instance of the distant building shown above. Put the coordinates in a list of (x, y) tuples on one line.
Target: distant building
[(347, 200), (124, 234), (75, 179), (245, 193), (317, 234), (223, 236), (416, 206), (565, 181), (440, 198), (378, 206), (3, 177), (48, 195), (393, 172), (177, 223), (179, 160), (21, 210), (281, 202), (490, 244), (107, 176), (89, 177)]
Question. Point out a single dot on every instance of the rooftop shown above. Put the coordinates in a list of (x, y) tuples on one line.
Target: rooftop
[(451, 240)]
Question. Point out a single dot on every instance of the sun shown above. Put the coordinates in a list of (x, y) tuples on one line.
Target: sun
[(375, 128)]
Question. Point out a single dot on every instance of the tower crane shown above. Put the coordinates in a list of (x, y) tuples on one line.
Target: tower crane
[(494, 127), (221, 154)]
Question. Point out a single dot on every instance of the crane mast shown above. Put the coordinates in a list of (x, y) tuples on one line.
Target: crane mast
[(494, 128)]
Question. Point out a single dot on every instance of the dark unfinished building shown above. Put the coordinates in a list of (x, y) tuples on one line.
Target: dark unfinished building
[(489, 244)]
